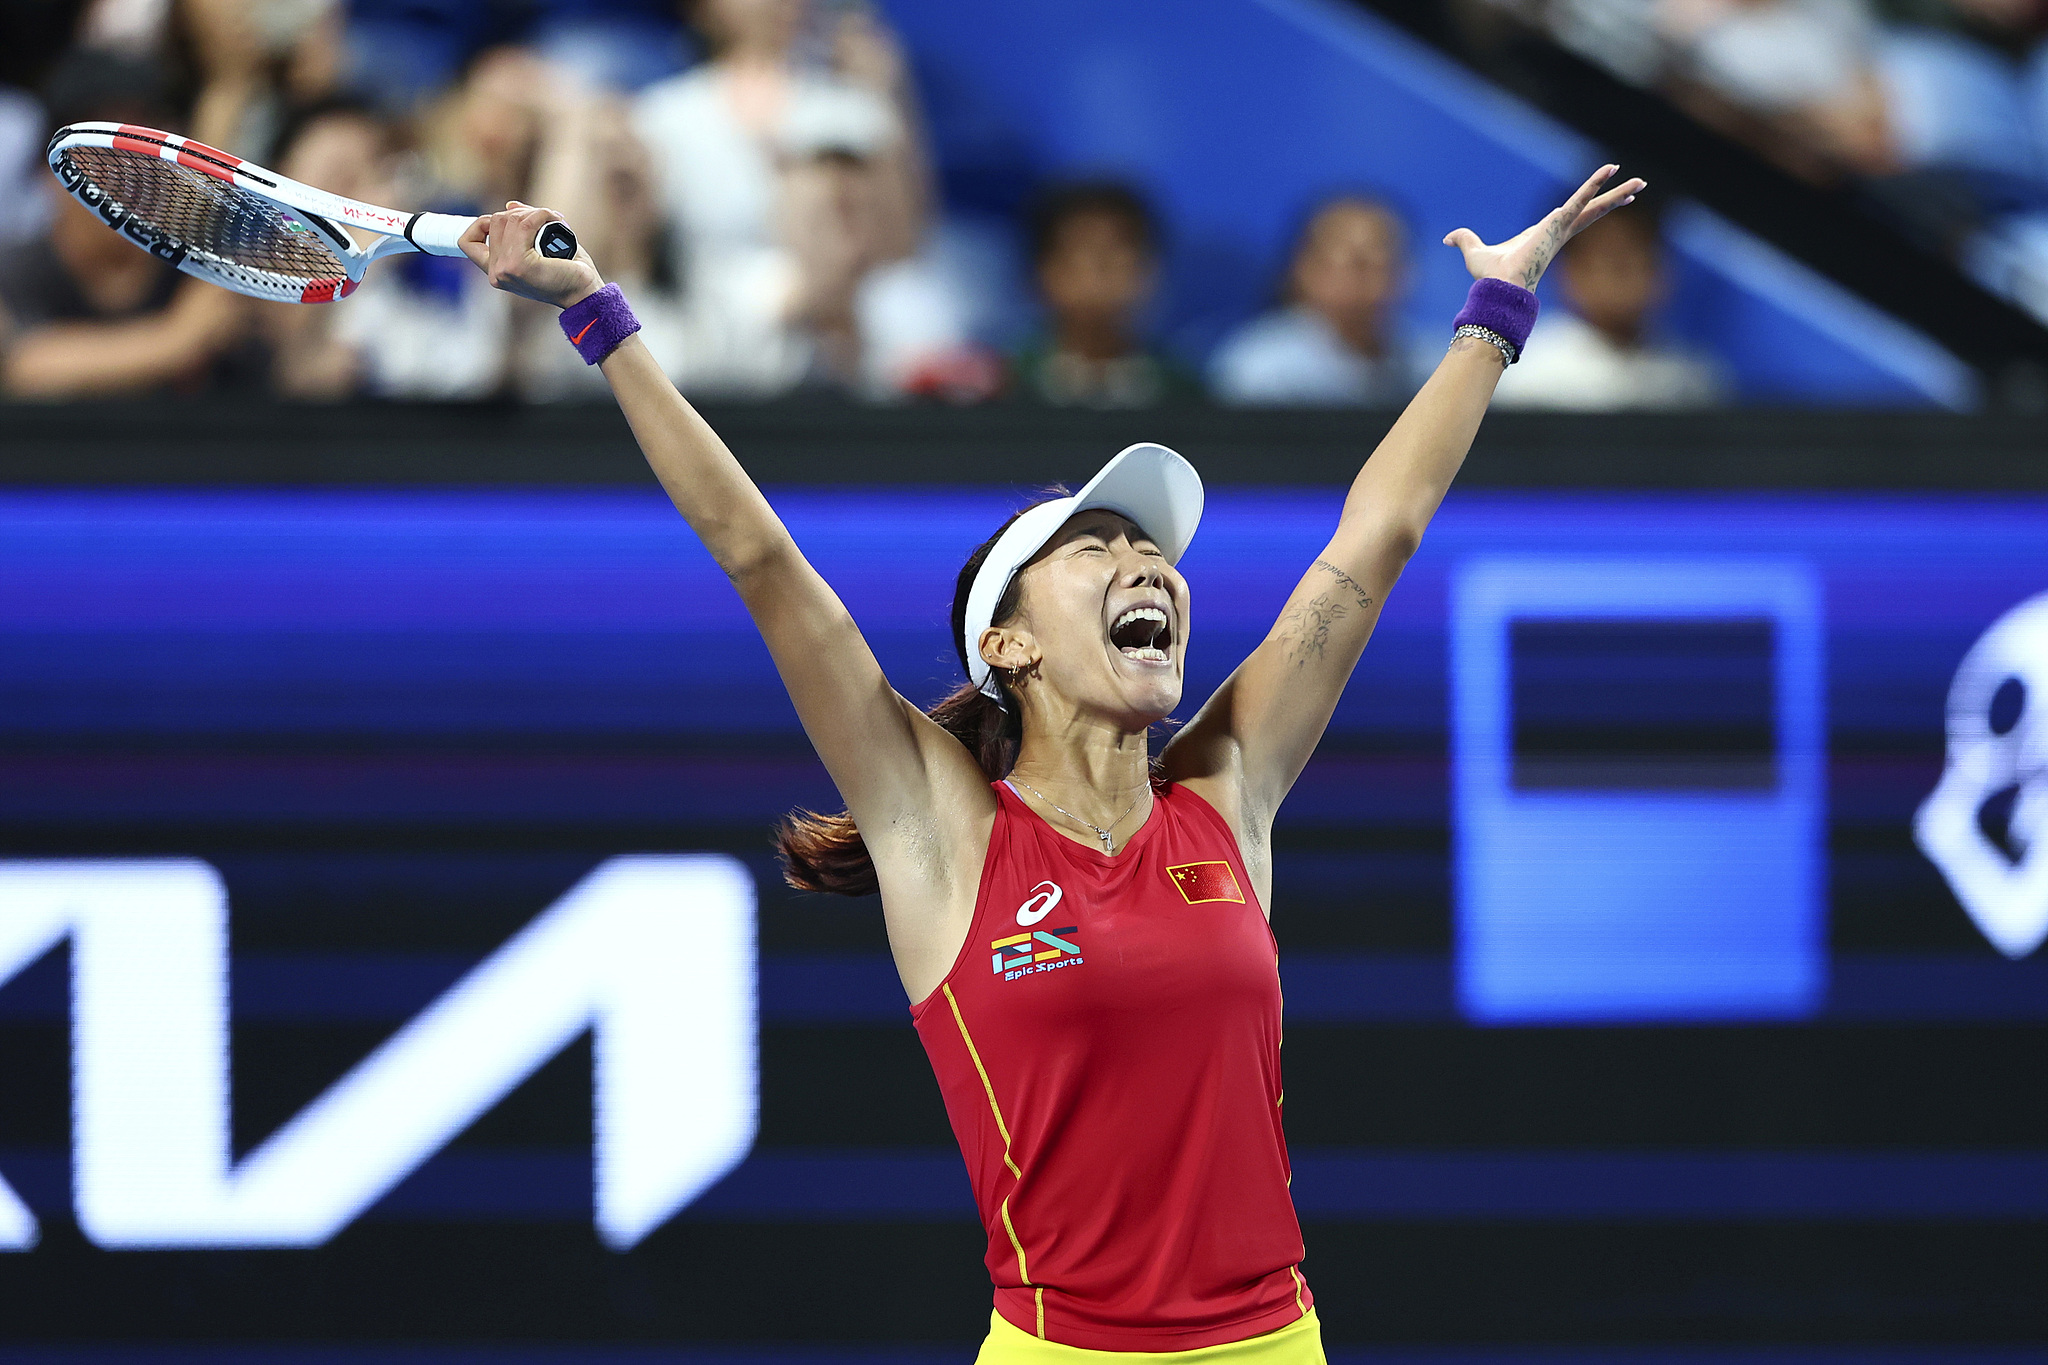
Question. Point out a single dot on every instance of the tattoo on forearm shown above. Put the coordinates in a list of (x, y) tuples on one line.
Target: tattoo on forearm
[(1307, 628), (1364, 597), (1552, 229)]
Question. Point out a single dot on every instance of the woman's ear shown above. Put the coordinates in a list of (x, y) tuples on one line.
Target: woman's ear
[(1008, 648)]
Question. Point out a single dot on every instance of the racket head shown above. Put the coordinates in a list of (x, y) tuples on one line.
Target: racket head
[(214, 216)]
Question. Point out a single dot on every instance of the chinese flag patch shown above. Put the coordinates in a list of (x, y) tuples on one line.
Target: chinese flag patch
[(1199, 882)]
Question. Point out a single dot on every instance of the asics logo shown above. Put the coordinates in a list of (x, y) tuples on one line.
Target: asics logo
[(1039, 903)]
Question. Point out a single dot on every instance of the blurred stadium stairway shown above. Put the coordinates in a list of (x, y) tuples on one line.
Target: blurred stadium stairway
[(1865, 237)]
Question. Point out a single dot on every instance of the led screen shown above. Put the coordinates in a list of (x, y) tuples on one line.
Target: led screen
[(1618, 899)]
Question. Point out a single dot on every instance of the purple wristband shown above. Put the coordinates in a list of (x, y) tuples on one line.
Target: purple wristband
[(1496, 305), (595, 326)]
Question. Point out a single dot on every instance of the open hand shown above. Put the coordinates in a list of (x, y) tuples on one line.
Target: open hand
[(1523, 258), (502, 245)]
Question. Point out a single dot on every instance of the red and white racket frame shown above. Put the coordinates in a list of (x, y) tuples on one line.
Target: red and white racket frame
[(324, 215)]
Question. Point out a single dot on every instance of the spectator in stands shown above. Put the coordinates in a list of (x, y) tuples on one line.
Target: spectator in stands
[(1957, 101), (82, 312), (32, 38), (879, 327), (1797, 79), (1969, 96), (24, 208), (1095, 254), (480, 137), (721, 134), (717, 334), (415, 328), (1335, 342), (253, 59), (1602, 355), (820, 307), (773, 174), (443, 333)]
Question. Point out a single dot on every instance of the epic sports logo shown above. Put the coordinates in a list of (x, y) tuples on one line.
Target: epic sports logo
[(1043, 950)]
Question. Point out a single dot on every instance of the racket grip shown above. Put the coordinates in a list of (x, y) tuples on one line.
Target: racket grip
[(556, 241), (437, 233)]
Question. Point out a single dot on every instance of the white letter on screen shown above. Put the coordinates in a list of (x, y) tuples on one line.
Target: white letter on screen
[(654, 953)]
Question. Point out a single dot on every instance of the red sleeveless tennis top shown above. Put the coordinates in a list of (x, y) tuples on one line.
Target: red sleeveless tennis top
[(1108, 1045)]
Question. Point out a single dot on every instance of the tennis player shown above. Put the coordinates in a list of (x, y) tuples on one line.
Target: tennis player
[(1083, 930)]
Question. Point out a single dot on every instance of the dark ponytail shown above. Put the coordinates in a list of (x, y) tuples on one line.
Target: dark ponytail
[(826, 852)]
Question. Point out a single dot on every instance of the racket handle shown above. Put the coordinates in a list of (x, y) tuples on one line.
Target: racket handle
[(556, 241), (437, 234)]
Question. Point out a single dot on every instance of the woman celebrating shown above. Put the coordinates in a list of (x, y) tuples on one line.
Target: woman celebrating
[(1083, 930)]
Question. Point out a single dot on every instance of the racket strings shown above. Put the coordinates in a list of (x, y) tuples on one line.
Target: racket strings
[(209, 216)]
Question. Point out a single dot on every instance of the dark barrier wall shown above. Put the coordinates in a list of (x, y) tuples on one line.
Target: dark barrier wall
[(208, 444), (1623, 1004)]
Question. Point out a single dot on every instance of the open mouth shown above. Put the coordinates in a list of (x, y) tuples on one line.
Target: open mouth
[(1142, 633)]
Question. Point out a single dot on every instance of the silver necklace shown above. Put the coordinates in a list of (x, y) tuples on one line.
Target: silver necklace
[(1108, 844)]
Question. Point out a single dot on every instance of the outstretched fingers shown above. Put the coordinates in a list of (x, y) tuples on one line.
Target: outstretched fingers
[(1523, 258), (1585, 193), (1588, 205), (1620, 195)]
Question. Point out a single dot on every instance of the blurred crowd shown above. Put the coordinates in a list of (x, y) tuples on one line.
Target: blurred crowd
[(755, 173), (1939, 108)]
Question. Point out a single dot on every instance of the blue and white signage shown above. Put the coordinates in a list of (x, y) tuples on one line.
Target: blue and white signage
[(1638, 760)]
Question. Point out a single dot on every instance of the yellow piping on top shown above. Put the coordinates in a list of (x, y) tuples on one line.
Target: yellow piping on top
[(989, 1089)]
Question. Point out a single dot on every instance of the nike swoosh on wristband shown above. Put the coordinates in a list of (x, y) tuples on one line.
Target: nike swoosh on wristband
[(577, 340)]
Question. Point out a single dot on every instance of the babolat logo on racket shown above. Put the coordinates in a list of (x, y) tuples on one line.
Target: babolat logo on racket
[(1043, 951), (154, 240), (148, 236), (95, 198), (161, 245)]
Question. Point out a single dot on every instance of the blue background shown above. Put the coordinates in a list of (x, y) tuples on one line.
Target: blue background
[(254, 675), (509, 659)]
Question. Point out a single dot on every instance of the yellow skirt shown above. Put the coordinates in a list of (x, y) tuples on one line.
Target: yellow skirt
[(1298, 1343)]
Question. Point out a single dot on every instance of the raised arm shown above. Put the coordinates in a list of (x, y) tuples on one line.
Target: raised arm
[(1251, 740), (911, 788)]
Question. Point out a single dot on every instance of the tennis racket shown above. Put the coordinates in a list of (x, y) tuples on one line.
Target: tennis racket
[(233, 223)]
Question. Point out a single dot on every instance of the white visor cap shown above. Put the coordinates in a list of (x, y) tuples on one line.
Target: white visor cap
[(1148, 483)]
